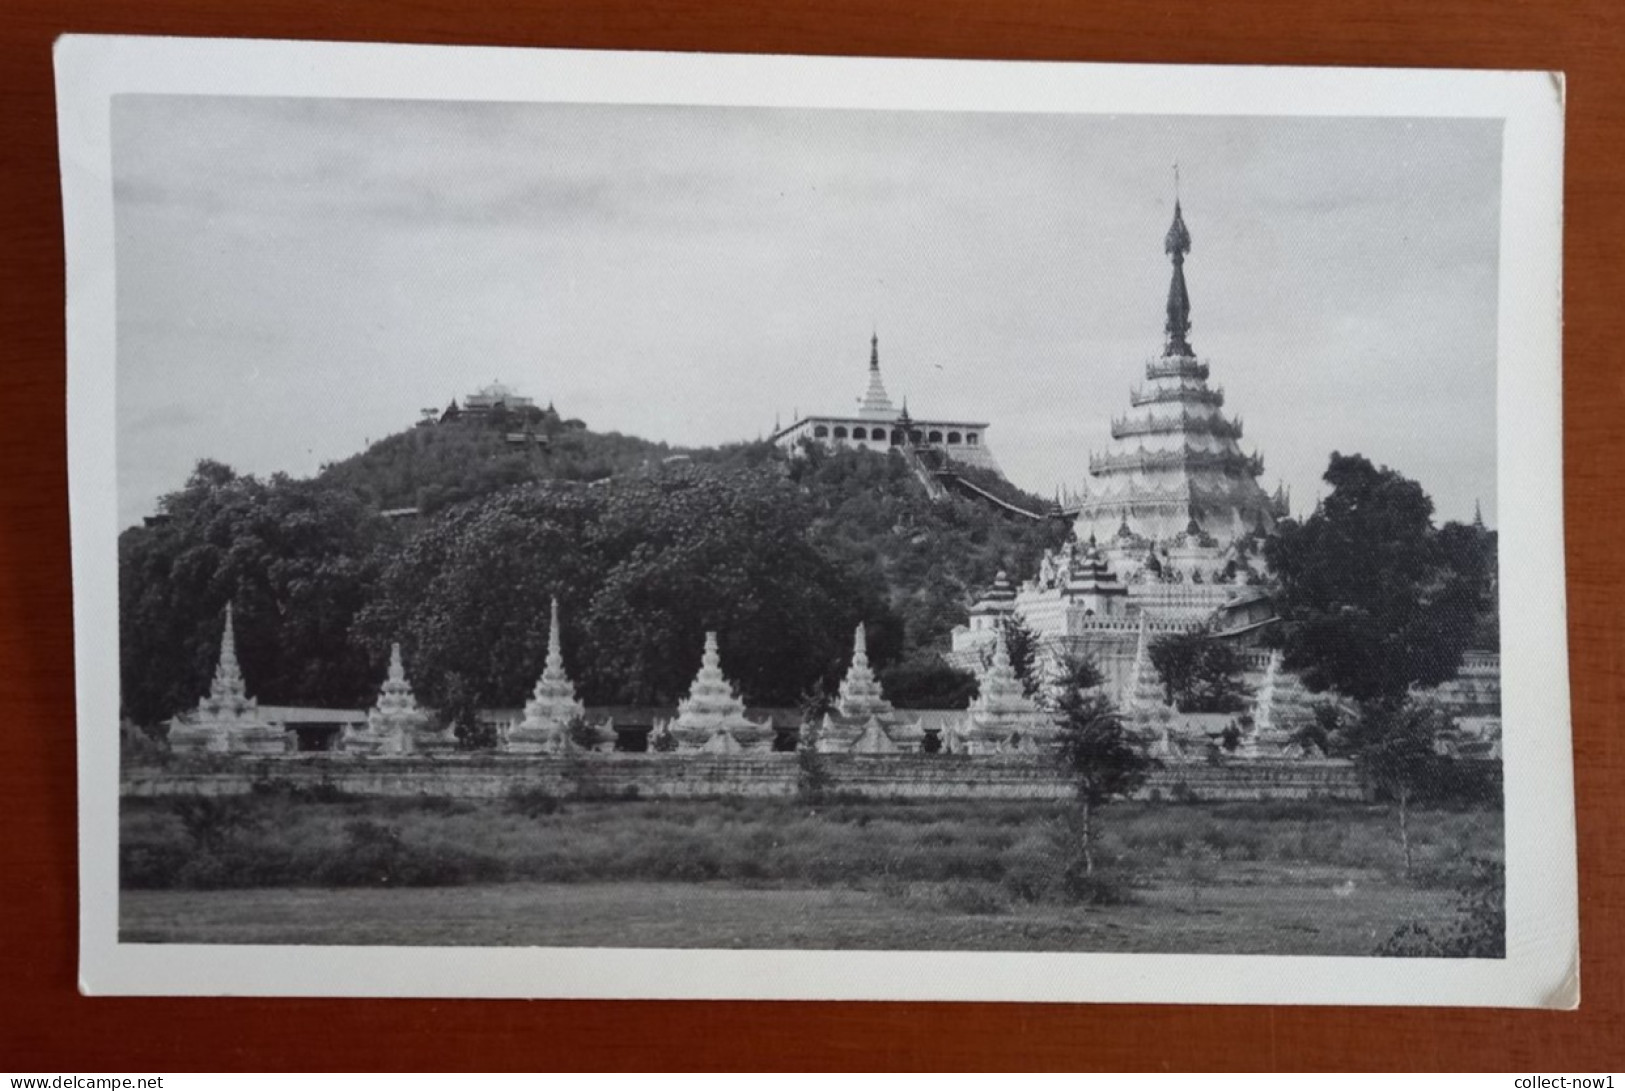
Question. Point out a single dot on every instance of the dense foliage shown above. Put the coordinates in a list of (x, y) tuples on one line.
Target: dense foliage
[(646, 550), (297, 561), (643, 566), (933, 555), (1201, 673), (1373, 598), (432, 468)]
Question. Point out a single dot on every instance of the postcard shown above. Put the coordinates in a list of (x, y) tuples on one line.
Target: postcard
[(582, 524)]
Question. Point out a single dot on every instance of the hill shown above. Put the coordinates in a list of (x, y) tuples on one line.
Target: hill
[(431, 467), (646, 545)]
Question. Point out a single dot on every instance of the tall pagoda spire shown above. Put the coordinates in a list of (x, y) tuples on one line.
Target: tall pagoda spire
[(875, 403), (1175, 458), (1176, 245)]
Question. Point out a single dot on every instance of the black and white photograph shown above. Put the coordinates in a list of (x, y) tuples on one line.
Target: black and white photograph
[(650, 525)]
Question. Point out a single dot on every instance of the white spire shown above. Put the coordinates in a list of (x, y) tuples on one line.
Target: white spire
[(875, 403)]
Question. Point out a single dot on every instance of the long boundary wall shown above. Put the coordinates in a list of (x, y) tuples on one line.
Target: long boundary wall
[(668, 776)]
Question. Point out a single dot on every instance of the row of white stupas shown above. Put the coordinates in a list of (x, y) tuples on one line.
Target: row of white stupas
[(712, 718)]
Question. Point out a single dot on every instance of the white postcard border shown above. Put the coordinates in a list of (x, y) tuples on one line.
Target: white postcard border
[(1541, 967)]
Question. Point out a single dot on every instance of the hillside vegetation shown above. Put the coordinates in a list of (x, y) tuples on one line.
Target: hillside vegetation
[(646, 547)]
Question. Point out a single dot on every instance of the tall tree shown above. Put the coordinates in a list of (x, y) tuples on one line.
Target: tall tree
[(1102, 759), (1372, 599), (1375, 601)]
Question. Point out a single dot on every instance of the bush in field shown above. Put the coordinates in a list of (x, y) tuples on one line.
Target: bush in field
[(1480, 927), (212, 821), (1032, 867), (979, 899), (377, 855), (532, 801)]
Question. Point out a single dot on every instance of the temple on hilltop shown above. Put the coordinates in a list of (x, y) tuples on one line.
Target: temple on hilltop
[(1175, 467), (879, 425)]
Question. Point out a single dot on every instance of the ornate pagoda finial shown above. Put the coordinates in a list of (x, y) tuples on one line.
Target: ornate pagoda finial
[(555, 647), (1478, 515), (874, 351), (1176, 245)]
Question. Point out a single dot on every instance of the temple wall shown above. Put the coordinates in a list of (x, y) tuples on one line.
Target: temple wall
[(670, 776)]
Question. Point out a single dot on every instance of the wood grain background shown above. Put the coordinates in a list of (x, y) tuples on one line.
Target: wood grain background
[(47, 1026)]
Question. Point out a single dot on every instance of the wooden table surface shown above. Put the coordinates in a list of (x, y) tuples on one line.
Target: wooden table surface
[(47, 1026)]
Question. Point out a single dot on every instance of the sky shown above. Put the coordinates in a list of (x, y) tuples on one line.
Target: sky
[(299, 277)]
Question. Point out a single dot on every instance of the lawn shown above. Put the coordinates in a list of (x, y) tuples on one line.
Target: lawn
[(1290, 878)]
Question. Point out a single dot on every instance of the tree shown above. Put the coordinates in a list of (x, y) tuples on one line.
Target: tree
[(1021, 643), (1392, 741), (460, 711), (1372, 599), (643, 569), (925, 681), (1103, 761), (1200, 672), (297, 561), (1375, 601)]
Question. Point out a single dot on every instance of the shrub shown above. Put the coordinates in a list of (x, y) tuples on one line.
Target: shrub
[(531, 800), (1031, 868), (1478, 930), (211, 821), (979, 899), (1099, 887)]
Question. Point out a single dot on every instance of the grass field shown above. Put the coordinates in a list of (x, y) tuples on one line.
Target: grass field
[(1287, 878)]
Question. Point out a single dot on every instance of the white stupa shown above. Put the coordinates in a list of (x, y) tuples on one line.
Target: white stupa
[(712, 717), (552, 705)]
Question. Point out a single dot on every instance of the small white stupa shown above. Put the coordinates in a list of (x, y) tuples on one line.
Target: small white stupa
[(860, 695), (712, 717), (395, 724), (228, 719), (1002, 716), (1142, 700), (1281, 708), (552, 705)]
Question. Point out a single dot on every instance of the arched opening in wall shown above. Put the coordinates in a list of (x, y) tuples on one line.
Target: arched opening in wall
[(859, 433), (840, 431), (820, 432), (914, 435), (934, 437), (954, 438), (897, 437), (970, 439)]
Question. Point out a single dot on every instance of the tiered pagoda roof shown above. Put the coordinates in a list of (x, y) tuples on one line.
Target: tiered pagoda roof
[(1175, 458)]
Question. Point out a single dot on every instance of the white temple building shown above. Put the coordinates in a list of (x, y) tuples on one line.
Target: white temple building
[(879, 425)]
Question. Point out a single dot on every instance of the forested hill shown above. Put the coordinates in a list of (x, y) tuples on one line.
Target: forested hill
[(873, 513), (432, 467), (782, 555)]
